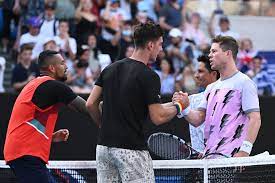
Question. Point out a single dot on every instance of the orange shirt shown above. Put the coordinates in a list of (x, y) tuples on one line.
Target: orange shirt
[(30, 128)]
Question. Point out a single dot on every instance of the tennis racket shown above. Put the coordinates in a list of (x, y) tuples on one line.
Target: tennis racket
[(168, 146), (171, 147)]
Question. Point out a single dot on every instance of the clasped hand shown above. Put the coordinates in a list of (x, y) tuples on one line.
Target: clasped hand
[(181, 97)]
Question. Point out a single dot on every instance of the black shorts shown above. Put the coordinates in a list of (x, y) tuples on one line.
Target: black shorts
[(30, 169)]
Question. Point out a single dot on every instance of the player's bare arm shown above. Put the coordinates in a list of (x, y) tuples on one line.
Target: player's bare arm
[(252, 131), (93, 104), (161, 113), (253, 126), (79, 105), (194, 117)]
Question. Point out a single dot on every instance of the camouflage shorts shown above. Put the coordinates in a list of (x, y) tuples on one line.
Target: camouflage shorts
[(123, 165)]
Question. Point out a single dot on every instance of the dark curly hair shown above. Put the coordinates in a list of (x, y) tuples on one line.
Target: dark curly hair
[(143, 33)]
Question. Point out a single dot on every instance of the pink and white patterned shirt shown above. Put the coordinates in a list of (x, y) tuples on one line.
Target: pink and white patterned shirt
[(227, 103)]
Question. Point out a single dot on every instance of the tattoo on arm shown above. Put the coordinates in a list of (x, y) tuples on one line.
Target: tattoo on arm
[(79, 105)]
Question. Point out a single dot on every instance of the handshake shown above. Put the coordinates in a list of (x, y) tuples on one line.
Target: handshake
[(181, 101)]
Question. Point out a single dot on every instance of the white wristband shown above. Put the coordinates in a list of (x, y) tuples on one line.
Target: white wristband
[(184, 112), (246, 147)]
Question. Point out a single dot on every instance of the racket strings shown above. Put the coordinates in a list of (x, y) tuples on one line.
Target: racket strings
[(168, 147)]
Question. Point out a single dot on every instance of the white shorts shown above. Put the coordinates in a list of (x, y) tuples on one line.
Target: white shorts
[(123, 165)]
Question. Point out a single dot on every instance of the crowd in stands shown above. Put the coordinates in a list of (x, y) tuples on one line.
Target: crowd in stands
[(91, 34)]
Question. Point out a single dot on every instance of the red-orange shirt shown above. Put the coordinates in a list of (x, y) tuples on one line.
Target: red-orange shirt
[(30, 128)]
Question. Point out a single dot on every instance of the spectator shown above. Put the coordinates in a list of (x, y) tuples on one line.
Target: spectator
[(50, 44), (94, 63), (2, 71), (47, 43), (126, 38), (49, 27), (32, 37), (31, 8), (10, 17), (166, 77), (141, 17), (28, 9), (255, 66), (104, 60), (66, 43), (264, 82), (176, 50), (25, 70), (149, 7), (171, 16), (97, 60), (113, 17), (223, 28), (81, 83), (186, 81), (65, 9), (129, 7), (245, 55), (84, 54), (82, 79), (193, 32), (87, 19)]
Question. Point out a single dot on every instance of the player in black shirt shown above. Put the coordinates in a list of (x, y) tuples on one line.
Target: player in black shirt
[(131, 91)]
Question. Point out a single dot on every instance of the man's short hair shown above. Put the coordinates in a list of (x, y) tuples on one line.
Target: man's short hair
[(50, 6), (25, 47), (63, 20), (224, 19), (227, 43), (45, 58), (205, 59), (144, 33), (258, 57)]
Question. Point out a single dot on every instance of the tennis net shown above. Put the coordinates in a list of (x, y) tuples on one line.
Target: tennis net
[(257, 169)]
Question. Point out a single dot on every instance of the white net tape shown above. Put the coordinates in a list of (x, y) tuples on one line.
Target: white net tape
[(173, 164), (204, 166)]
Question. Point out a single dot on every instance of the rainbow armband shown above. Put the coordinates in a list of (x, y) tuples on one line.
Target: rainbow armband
[(179, 106)]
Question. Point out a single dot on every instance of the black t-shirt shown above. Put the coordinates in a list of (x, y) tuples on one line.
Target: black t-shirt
[(52, 92), (20, 73), (129, 86)]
